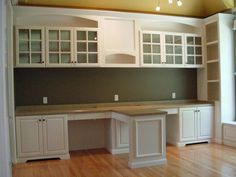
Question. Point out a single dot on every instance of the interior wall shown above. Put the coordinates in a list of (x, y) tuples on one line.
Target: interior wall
[(98, 85)]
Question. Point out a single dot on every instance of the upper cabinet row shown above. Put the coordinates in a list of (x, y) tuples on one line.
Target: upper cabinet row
[(115, 43)]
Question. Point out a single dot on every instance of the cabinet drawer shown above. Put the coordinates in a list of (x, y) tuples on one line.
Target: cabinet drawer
[(89, 116)]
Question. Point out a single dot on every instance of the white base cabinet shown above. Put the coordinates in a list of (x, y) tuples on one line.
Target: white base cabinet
[(191, 125), (40, 137)]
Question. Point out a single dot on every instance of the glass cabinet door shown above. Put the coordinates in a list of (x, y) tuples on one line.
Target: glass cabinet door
[(59, 46), (151, 48), (194, 50), (30, 46), (86, 46), (173, 48)]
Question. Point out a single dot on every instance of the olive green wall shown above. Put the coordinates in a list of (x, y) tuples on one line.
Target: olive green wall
[(90, 85)]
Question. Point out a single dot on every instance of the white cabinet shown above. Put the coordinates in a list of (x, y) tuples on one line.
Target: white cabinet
[(178, 50), (30, 50), (191, 125), (42, 137), (194, 50), (122, 134), (87, 48), (120, 47), (59, 48), (196, 123)]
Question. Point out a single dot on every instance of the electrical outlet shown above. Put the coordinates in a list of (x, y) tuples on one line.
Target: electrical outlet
[(45, 100), (173, 95), (116, 97)]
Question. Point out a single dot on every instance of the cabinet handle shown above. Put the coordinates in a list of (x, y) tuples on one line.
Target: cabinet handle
[(42, 62), (39, 120), (43, 120)]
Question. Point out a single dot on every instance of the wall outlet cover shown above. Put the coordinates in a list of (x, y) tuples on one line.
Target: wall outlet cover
[(116, 97), (173, 95), (45, 100)]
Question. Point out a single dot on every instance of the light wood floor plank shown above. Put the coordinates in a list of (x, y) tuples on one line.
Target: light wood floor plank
[(204, 160)]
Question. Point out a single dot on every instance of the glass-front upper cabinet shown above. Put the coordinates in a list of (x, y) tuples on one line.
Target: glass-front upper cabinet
[(30, 47), (173, 49), (193, 49), (151, 48), (59, 51), (86, 47)]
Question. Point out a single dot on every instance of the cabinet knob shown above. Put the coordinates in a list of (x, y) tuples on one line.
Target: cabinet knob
[(43, 120), (39, 120), (42, 62)]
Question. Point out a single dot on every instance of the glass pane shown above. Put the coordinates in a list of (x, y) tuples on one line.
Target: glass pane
[(178, 60), (156, 59), (190, 50), (53, 58), (190, 60), (92, 58), (92, 47), (65, 35), (65, 58), (23, 45), (190, 40), (81, 58), (146, 48), (169, 49), (178, 40), (92, 36), (199, 60), (198, 50), (65, 46), (147, 38), (81, 47), (156, 49), (36, 46), (54, 46), (36, 58), (147, 59), (24, 58), (81, 35), (24, 34), (156, 38), (169, 39), (36, 35), (198, 41), (169, 59), (178, 49), (53, 35)]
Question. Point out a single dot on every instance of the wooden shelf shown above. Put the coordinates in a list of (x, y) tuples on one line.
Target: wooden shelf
[(212, 43), (212, 61), (212, 81)]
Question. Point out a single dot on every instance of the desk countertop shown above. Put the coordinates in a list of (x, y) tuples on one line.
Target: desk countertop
[(131, 108)]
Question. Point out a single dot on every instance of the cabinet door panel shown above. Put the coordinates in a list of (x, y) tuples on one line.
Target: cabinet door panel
[(205, 121), (187, 124), (29, 136), (55, 134), (122, 134)]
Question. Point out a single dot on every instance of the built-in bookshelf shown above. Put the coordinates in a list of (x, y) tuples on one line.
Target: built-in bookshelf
[(212, 60)]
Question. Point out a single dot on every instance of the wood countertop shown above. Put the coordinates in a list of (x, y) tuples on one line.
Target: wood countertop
[(131, 107), (141, 112)]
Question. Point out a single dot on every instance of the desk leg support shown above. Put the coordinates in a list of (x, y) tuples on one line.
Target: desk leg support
[(147, 139)]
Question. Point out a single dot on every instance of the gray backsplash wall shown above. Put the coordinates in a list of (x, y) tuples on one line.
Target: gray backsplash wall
[(98, 85)]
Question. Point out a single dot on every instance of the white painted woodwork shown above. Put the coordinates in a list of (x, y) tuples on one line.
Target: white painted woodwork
[(29, 136), (149, 146), (57, 55), (5, 156), (147, 140), (191, 125), (89, 116), (187, 124), (205, 122), (120, 42), (55, 133), (229, 134), (40, 137), (30, 51), (122, 134)]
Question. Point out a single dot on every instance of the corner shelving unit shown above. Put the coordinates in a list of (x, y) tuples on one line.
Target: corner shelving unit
[(212, 57)]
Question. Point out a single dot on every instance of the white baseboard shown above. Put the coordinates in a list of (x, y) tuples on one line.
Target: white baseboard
[(147, 163), (119, 151)]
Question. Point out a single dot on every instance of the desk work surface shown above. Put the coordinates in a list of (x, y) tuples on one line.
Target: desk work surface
[(131, 107)]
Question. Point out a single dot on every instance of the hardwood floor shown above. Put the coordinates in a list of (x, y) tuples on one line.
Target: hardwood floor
[(203, 160)]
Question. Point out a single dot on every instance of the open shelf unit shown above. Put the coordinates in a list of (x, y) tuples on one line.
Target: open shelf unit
[(212, 60)]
